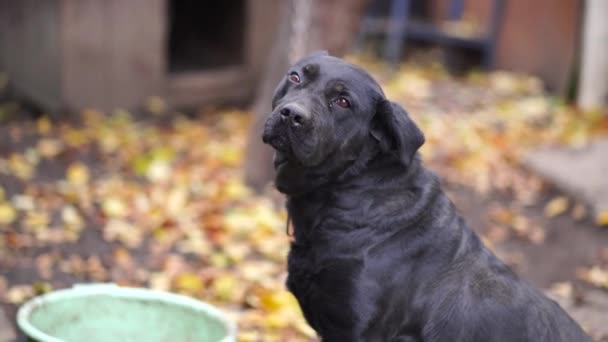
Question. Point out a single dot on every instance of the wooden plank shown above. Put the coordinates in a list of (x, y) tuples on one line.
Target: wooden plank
[(29, 49), (42, 52), (231, 84), (86, 64), (137, 50)]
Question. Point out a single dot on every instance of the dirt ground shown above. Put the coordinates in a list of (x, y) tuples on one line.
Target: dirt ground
[(568, 246), (557, 251)]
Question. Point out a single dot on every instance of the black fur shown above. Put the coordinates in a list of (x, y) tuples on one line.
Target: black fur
[(380, 253)]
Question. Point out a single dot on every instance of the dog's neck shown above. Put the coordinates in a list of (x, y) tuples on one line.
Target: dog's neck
[(408, 189), (297, 182)]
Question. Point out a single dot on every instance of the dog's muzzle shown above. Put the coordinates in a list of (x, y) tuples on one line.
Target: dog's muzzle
[(292, 117)]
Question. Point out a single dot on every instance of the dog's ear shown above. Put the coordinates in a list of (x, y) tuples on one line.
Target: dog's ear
[(395, 131)]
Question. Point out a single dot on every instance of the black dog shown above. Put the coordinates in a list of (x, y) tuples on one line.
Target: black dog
[(380, 253)]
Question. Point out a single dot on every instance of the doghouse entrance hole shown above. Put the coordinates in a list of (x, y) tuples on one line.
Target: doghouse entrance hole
[(205, 34)]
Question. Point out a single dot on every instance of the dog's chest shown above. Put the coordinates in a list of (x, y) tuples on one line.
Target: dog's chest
[(323, 273)]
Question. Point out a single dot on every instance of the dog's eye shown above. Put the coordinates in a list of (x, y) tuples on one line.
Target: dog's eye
[(294, 77), (342, 102)]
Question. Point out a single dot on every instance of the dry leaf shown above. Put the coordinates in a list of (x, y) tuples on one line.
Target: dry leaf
[(602, 218), (19, 294), (44, 126), (125, 232), (77, 174), (595, 275), (564, 290), (49, 148), (556, 206), (114, 207), (189, 283), (8, 214), (156, 105), (579, 212)]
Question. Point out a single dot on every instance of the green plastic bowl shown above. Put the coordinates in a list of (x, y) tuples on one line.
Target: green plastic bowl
[(107, 312)]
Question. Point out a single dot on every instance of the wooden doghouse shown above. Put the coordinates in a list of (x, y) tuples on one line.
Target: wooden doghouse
[(71, 54)]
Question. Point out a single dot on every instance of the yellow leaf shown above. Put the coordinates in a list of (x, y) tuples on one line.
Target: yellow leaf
[(49, 148), (2, 194), (249, 336), (158, 170), (189, 283), (42, 288), (156, 105), (77, 174), (231, 155), (19, 294), (159, 281), (277, 300), (36, 220), (71, 218), (595, 275), (124, 232), (8, 214), (556, 206), (235, 190), (276, 320), (20, 167), (225, 286), (44, 125), (602, 218), (114, 207)]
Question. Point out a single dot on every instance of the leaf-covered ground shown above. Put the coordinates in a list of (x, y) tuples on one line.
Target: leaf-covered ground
[(156, 198)]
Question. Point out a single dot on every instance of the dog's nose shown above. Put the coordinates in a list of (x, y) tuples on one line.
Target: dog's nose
[(295, 114)]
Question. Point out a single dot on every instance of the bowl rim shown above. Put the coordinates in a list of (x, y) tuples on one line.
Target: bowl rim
[(83, 290)]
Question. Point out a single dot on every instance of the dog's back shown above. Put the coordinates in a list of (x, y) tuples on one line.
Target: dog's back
[(377, 262)]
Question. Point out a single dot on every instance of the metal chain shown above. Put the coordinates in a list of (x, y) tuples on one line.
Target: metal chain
[(300, 25)]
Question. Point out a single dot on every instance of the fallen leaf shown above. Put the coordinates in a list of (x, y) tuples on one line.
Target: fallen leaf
[(125, 232), (272, 301), (8, 214), (595, 275), (23, 202), (556, 206), (72, 218), (43, 125), (18, 294), (41, 288), (78, 174), (225, 287), (602, 218), (579, 212), (114, 207), (188, 283), (563, 290), (49, 148), (20, 167), (156, 105), (159, 281)]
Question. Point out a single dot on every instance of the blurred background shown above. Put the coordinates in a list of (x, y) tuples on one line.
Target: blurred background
[(130, 147)]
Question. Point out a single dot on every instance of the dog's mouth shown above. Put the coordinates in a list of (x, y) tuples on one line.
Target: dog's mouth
[(280, 159)]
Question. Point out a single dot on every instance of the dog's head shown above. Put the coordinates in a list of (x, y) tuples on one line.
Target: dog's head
[(326, 113)]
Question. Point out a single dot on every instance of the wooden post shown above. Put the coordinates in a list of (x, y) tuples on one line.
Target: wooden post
[(593, 86)]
